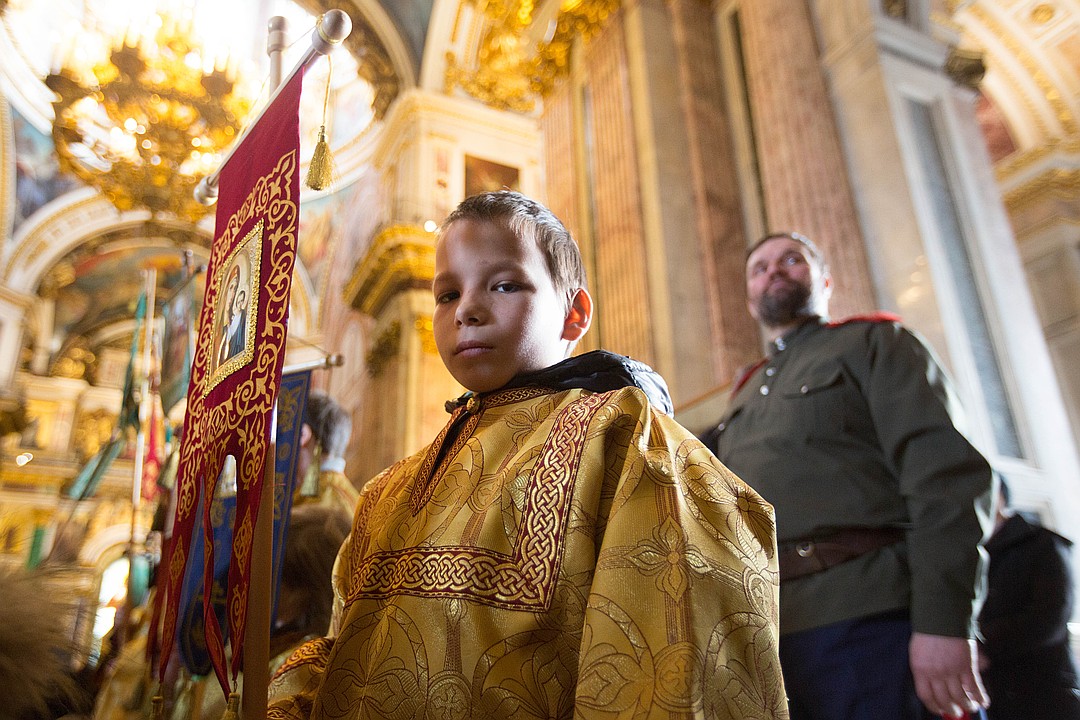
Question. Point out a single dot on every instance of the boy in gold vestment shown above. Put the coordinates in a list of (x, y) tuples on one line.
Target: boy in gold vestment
[(563, 548)]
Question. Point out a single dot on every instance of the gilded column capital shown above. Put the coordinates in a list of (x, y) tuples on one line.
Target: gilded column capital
[(401, 257), (383, 349), (523, 51), (895, 8), (965, 67), (1053, 184)]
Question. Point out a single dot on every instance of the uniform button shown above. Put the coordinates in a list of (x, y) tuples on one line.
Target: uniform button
[(770, 371), (804, 389), (720, 427), (764, 389), (780, 344)]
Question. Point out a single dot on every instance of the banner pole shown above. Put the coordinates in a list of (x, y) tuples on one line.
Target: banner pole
[(257, 628), (144, 407), (330, 31), (330, 361)]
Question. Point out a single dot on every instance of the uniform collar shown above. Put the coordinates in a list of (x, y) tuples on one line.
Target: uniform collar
[(806, 327)]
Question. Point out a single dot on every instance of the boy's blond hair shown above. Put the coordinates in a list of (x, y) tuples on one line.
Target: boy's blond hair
[(529, 221)]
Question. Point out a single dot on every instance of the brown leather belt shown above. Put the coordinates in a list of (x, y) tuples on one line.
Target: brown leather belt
[(805, 557)]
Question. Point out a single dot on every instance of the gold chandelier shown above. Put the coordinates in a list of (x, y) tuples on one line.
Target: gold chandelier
[(146, 123)]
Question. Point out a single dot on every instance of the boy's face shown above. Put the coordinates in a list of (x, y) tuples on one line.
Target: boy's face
[(497, 313)]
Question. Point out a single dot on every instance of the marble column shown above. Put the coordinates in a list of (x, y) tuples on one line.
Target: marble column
[(640, 164), (804, 179)]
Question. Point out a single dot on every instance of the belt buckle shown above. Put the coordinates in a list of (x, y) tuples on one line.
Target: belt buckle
[(805, 549)]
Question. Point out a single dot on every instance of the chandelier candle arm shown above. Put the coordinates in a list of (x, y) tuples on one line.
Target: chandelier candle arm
[(330, 31)]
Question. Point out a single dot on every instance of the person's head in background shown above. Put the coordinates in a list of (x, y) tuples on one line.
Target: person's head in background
[(326, 431), (787, 282), (306, 594), (510, 290)]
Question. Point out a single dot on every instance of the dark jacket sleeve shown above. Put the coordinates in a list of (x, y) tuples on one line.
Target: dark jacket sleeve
[(1033, 600), (944, 481)]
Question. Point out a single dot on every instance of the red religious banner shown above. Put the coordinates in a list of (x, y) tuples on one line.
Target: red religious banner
[(236, 370)]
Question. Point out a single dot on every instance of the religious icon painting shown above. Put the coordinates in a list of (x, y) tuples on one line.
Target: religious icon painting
[(487, 175), (236, 307)]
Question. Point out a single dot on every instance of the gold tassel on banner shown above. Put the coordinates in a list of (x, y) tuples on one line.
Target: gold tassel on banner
[(157, 707), (232, 712), (321, 169)]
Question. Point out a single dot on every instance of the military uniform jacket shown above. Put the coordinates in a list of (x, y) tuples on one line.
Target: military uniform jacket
[(851, 425), (552, 554)]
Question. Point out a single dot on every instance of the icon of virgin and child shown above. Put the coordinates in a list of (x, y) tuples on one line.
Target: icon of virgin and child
[(232, 311)]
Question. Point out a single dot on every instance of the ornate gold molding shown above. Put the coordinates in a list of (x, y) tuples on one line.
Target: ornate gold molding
[(401, 257), (1019, 162), (383, 349), (965, 67), (1054, 184), (15, 479), (509, 72), (41, 237), (1042, 13), (895, 8), (1050, 92), (92, 429)]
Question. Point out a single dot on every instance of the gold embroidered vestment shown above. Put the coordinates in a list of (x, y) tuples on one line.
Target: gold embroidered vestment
[(553, 554)]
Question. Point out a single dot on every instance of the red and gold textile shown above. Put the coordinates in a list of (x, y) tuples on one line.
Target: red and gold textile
[(553, 554), (236, 370)]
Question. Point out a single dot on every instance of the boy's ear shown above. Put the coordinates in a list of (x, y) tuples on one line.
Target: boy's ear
[(578, 317)]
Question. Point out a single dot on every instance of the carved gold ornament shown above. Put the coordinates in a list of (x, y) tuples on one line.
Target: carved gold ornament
[(512, 70)]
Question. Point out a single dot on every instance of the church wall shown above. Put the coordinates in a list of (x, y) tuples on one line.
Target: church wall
[(639, 163), (623, 314), (942, 252), (1044, 208), (718, 209), (858, 86), (804, 179)]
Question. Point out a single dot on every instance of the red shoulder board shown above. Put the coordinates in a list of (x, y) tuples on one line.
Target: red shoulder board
[(742, 376), (867, 317)]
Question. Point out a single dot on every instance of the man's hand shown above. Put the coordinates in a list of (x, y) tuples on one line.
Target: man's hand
[(946, 678)]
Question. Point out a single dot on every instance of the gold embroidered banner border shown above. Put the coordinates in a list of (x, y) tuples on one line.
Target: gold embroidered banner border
[(235, 380)]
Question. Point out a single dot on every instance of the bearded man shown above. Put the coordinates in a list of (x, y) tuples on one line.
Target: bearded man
[(882, 505)]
